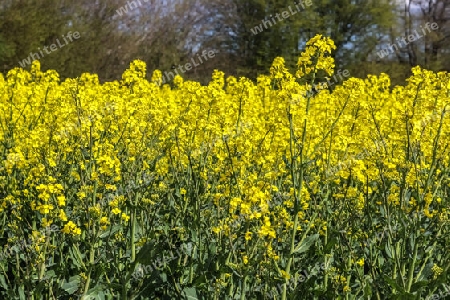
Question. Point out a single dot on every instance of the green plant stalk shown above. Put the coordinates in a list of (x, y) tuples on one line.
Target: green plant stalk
[(191, 267), (426, 260), (300, 184), (349, 277), (42, 266), (397, 265), (325, 277), (296, 207), (394, 273), (133, 229), (402, 265), (244, 287), (411, 268), (230, 290), (222, 277), (18, 265), (124, 294), (91, 263), (87, 283), (372, 271)]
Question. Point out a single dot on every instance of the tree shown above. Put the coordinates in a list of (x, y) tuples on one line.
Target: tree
[(414, 39), (435, 53), (25, 28), (356, 26), (112, 34)]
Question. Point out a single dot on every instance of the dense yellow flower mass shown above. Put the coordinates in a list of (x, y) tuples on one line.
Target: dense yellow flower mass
[(71, 228), (253, 168)]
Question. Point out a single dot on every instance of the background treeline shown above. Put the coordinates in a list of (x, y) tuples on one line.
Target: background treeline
[(168, 33)]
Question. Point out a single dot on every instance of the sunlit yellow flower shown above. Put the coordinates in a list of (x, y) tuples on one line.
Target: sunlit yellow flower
[(360, 262), (125, 217), (45, 208), (46, 223), (61, 200), (71, 228), (116, 211), (62, 215)]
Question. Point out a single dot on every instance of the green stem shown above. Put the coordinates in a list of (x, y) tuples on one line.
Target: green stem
[(244, 287), (411, 267), (297, 198), (133, 229)]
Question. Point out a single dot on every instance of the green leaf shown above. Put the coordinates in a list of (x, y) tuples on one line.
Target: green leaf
[(393, 284), (212, 248), (330, 245), (75, 258), (388, 250), (113, 230), (418, 285), (50, 274), (405, 296), (22, 293), (71, 286), (98, 293), (191, 293), (306, 243), (3, 282), (146, 255), (367, 291), (201, 280)]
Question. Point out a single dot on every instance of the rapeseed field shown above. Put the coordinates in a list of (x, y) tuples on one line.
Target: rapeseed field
[(135, 189)]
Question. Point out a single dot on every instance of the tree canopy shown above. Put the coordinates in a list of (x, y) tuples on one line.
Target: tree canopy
[(245, 35)]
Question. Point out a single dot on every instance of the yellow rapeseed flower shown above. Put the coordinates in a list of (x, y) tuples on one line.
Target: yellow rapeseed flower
[(71, 228)]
